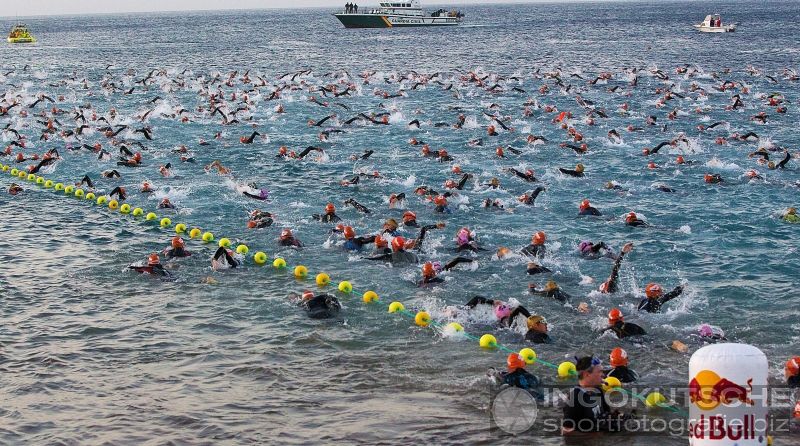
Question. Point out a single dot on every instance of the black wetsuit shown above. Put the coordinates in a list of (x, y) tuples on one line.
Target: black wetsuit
[(626, 329), (572, 173), (402, 257), (537, 269), (291, 241), (329, 218), (177, 252), (623, 373), (590, 211), (654, 305), (223, 253), (522, 379), (793, 381), (612, 281), (422, 233), (534, 250), (531, 198), (557, 294), (356, 243), (156, 270), (537, 337), (587, 411), (322, 306), (506, 321)]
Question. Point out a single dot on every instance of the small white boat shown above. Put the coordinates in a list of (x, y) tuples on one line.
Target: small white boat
[(713, 24)]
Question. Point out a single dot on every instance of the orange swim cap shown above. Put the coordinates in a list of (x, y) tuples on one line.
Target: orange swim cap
[(539, 238), (653, 290), (178, 242), (615, 315), (398, 244), (153, 259), (427, 269), (409, 216), (330, 208), (584, 205), (515, 362), (618, 357), (349, 233)]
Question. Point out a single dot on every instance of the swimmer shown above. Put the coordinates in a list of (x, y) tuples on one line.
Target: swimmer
[(465, 241), (166, 204), (357, 205), (430, 270), (119, 192), (146, 188), (153, 267), (655, 297), (517, 376), (110, 174), (288, 239), (177, 248), (329, 216), (353, 243), (165, 170), (537, 330), (585, 208), (217, 165), (390, 227), (710, 335), (223, 259), (619, 363), (578, 172), (321, 306), (529, 198), (86, 181), (259, 219), (713, 178), (249, 139), (528, 175), (14, 189), (441, 204), (617, 324), (535, 268), (537, 247), (505, 314), (631, 219), (791, 216), (610, 285), (262, 194), (134, 161), (551, 290), (613, 185), (593, 251), (410, 219), (399, 256), (792, 372), (396, 200), (381, 247)]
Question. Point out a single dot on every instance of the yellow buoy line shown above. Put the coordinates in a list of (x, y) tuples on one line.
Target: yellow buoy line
[(487, 341)]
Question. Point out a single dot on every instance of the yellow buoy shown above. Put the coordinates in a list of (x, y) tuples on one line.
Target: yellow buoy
[(345, 286), (224, 242), (59, 186), (165, 222), (48, 184), (40, 180), (300, 271), (150, 216), (125, 208), (528, 355), (101, 200), (194, 233), (90, 196), (565, 369), (31, 177), (137, 212), (279, 263), (242, 249), (455, 327), (14, 172), (423, 319), (21, 174), (180, 228), (68, 190), (487, 341), (208, 237), (370, 297), (654, 399), (610, 383), (113, 205), (260, 258), (79, 193), (323, 279), (394, 307)]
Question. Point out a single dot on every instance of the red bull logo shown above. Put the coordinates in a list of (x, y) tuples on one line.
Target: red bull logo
[(708, 390)]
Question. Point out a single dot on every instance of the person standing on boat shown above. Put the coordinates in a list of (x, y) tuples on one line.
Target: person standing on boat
[(355, 8)]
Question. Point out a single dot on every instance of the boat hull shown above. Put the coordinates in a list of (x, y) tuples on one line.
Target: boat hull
[(715, 29), (21, 40), (393, 21)]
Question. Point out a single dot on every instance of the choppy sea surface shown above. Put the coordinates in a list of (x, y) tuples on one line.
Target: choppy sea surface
[(91, 352)]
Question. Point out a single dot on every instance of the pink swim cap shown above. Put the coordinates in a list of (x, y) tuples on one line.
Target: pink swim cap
[(463, 237), (585, 246), (705, 330), (502, 311)]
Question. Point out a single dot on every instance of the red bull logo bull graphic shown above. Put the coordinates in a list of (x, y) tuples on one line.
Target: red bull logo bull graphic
[(708, 390)]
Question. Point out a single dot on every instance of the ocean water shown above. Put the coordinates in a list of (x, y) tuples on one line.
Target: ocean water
[(94, 353)]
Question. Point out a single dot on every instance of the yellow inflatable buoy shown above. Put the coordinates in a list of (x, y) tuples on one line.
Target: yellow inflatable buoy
[(3, 167), (528, 355), (125, 208), (113, 205), (180, 228), (39, 180), (101, 200), (423, 319), (224, 242), (300, 271), (59, 186), (345, 286), (90, 196), (565, 369), (610, 383), (654, 399), (48, 184), (454, 326), (194, 233), (150, 216), (370, 297), (487, 341), (137, 212), (242, 249), (21, 174), (208, 237), (165, 222), (394, 307), (279, 263), (323, 279), (79, 193), (260, 258), (14, 172), (31, 177), (68, 190)]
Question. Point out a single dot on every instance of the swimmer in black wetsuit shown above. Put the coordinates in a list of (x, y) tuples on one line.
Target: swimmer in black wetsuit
[(535, 268), (353, 243), (792, 372), (259, 219), (119, 192), (551, 290), (288, 239), (620, 370), (517, 376), (321, 306), (527, 175), (431, 269), (537, 330), (592, 251), (262, 194), (655, 297), (110, 174), (223, 259), (578, 172), (177, 248), (529, 198), (622, 329), (153, 267), (632, 220), (536, 248), (87, 181), (399, 256), (166, 204), (329, 216), (14, 189), (586, 208), (506, 316), (410, 219), (610, 285)]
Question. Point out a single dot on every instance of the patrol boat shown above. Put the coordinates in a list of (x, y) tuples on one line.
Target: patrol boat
[(396, 14), (20, 34)]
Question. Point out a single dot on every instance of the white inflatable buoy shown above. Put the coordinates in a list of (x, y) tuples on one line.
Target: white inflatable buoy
[(728, 398)]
